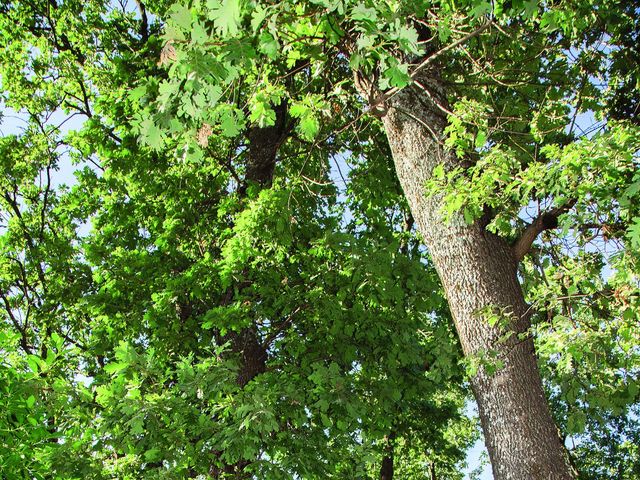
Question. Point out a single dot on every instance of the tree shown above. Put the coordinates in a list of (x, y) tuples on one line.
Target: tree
[(414, 74), (221, 314), (233, 311), (404, 73)]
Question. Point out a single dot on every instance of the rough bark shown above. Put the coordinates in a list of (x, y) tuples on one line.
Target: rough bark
[(253, 354), (478, 272), (262, 150)]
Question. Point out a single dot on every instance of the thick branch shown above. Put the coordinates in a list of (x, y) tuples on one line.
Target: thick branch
[(264, 143), (13, 203), (66, 44), (22, 329), (545, 221), (386, 469)]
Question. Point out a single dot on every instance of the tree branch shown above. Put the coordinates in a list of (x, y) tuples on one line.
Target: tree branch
[(144, 23), (545, 221), (22, 329)]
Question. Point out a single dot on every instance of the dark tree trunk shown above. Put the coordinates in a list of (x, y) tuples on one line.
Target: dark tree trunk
[(432, 471), (478, 271), (253, 354), (261, 159), (386, 469), (262, 150)]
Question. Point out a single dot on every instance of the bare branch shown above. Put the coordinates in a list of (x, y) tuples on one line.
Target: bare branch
[(545, 221)]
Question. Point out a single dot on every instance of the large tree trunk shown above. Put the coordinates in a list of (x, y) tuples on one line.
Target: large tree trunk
[(478, 272)]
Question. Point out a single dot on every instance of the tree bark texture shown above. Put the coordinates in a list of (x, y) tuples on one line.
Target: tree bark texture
[(263, 149), (478, 271)]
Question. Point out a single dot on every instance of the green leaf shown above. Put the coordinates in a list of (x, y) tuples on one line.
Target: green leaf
[(444, 31), (549, 22), (408, 38), (438, 172), (181, 16), (199, 35), (365, 42), (481, 9), (634, 188), (229, 123), (309, 127), (632, 389), (268, 45), (481, 138), (57, 340), (152, 454), (258, 15), (35, 363), (137, 93), (262, 114), (137, 425), (633, 233), (531, 8), (468, 219), (576, 422), (115, 367), (397, 76), (225, 15), (150, 134), (363, 13)]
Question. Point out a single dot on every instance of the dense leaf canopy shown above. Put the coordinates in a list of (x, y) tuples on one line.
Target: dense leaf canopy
[(232, 286)]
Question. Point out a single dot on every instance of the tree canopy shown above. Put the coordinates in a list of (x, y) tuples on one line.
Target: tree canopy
[(235, 285)]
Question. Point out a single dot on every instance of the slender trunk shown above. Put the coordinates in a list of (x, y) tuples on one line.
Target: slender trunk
[(432, 471), (478, 271), (386, 469), (261, 159)]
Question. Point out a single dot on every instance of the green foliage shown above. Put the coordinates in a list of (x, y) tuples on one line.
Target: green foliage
[(126, 292), (130, 298)]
